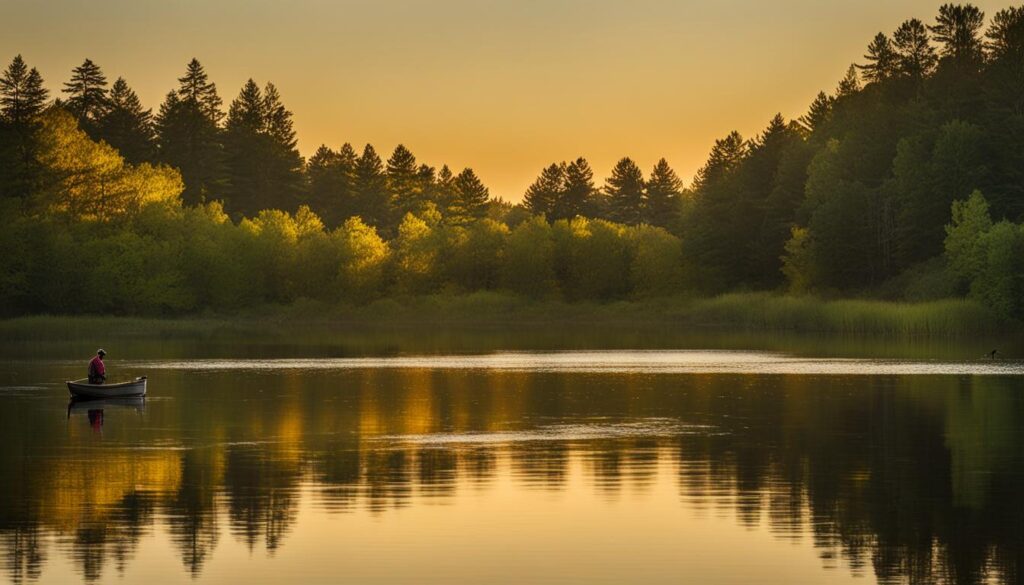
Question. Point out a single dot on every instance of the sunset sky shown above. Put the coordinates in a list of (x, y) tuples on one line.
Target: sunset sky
[(505, 87)]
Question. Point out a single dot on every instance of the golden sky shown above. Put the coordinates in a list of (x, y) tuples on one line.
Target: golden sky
[(505, 87)]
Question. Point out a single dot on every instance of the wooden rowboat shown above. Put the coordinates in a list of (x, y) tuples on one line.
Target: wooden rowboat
[(83, 389)]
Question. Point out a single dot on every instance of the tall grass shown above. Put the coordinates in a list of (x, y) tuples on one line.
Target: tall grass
[(950, 317), (731, 312)]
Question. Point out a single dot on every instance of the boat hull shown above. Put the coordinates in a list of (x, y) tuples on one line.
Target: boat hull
[(83, 389)]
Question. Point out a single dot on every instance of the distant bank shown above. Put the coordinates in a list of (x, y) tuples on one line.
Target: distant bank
[(731, 312)]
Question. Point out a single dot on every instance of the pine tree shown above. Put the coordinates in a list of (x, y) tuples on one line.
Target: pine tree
[(541, 196), (426, 179), (195, 87), (958, 29), (372, 201), (625, 192), (22, 99), (407, 194), (443, 190), (331, 176), (126, 126), (577, 193), (188, 135), (87, 96), (246, 112), (471, 198), (881, 60), (663, 191), (726, 155), (915, 56), (245, 152), (819, 112), (263, 165), (1006, 35), (285, 183), (848, 85), (22, 95)]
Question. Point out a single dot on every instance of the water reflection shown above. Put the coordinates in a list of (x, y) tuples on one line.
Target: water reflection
[(903, 478)]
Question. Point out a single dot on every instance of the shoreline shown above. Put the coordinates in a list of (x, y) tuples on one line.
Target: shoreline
[(736, 312)]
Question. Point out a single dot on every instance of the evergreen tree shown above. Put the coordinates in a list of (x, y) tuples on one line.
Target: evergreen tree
[(371, 190), (426, 180), (87, 96), (625, 192), (188, 135), (126, 126), (850, 84), (541, 196), (577, 193), (725, 156), (196, 87), (443, 191), (818, 113), (331, 178), (284, 184), (1006, 35), (263, 164), (22, 99), (914, 54), (663, 191), (958, 30), (245, 152), (471, 198), (22, 95), (881, 59), (407, 193)]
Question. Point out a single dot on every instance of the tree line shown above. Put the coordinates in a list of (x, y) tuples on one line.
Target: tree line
[(863, 194)]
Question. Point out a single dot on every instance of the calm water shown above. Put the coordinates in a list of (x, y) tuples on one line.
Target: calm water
[(327, 462)]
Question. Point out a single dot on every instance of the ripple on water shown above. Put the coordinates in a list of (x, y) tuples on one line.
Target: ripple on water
[(647, 428), (617, 361)]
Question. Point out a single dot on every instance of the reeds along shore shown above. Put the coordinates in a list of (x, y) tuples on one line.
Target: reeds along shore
[(759, 312)]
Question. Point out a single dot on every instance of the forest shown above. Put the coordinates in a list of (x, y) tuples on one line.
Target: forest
[(904, 182)]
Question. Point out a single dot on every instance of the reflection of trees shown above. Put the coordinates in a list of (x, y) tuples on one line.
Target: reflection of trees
[(262, 495), (23, 552), (192, 510), (912, 479)]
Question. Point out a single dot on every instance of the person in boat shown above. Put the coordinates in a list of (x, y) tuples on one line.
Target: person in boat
[(97, 371)]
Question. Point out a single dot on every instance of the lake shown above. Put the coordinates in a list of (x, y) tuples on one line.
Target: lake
[(495, 458)]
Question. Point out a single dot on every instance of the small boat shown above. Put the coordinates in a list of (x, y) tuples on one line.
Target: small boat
[(83, 389)]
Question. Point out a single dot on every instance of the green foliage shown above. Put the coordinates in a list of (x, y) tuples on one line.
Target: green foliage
[(529, 267), (417, 251), (963, 241), (475, 254), (656, 263), (362, 260), (89, 180), (990, 258), (798, 263), (852, 198), (594, 257)]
